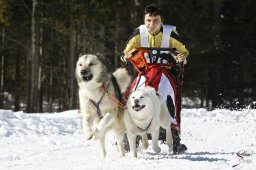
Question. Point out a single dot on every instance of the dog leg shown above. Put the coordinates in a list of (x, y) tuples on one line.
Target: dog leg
[(132, 143), (155, 146), (102, 147), (103, 125), (120, 137), (169, 138), (144, 141), (86, 127)]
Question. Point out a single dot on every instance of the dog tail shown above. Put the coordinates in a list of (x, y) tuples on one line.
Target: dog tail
[(123, 79)]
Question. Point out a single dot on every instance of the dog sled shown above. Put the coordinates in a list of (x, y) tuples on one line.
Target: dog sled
[(150, 65)]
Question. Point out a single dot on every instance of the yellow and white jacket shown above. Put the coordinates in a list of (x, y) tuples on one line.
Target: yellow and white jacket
[(166, 37)]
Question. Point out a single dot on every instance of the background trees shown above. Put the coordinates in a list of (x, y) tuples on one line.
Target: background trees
[(41, 41)]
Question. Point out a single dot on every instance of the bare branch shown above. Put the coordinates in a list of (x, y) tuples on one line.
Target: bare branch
[(16, 41), (26, 6)]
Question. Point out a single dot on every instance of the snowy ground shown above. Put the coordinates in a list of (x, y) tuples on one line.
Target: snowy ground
[(219, 139)]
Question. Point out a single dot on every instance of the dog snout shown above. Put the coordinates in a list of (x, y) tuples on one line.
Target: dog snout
[(136, 101), (84, 72)]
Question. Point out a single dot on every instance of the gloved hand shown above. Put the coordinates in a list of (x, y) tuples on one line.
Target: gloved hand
[(180, 58), (122, 57)]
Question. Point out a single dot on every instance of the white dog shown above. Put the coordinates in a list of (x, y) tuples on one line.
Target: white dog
[(96, 86), (146, 112)]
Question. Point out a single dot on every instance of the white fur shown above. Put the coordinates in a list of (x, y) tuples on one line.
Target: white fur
[(154, 111), (93, 126)]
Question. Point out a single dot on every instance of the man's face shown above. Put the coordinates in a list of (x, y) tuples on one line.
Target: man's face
[(153, 23)]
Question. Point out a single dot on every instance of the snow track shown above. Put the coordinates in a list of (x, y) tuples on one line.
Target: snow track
[(219, 139)]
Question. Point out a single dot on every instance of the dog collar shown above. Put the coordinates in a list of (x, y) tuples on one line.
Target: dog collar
[(143, 130)]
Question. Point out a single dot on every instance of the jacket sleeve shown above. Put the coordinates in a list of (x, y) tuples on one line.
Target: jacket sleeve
[(133, 42), (175, 42)]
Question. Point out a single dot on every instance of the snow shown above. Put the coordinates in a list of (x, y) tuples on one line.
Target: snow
[(218, 139)]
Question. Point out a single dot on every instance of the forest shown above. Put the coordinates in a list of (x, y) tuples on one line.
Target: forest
[(42, 39)]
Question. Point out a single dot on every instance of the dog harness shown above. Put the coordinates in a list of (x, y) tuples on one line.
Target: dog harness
[(117, 98), (144, 130)]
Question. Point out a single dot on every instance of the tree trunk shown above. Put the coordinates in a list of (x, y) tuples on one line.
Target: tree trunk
[(50, 91), (17, 85), (71, 65), (116, 57), (40, 53), (34, 60), (2, 75), (84, 35), (29, 82)]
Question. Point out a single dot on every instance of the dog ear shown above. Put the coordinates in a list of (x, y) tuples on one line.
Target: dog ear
[(150, 89), (105, 61), (78, 79)]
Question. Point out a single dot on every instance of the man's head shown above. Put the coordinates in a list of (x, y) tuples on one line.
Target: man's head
[(153, 18)]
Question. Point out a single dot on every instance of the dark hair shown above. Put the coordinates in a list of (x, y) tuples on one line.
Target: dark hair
[(153, 9)]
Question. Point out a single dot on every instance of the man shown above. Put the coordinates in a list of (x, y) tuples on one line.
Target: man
[(155, 34)]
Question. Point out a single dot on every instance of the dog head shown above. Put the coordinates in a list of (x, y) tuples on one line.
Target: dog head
[(141, 99), (90, 69)]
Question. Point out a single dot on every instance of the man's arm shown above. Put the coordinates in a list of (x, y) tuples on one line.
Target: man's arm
[(175, 43)]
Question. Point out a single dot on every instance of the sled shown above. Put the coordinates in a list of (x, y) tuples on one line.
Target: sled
[(144, 57)]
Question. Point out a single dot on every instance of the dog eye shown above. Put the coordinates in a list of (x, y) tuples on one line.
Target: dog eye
[(141, 97), (91, 64), (80, 64)]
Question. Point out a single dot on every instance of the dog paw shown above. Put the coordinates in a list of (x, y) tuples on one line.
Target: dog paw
[(133, 155), (121, 154), (103, 154), (96, 134), (145, 144), (157, 149), (170, 149), (88, 135)]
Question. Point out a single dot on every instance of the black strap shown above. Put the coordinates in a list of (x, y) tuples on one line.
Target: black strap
[(97, 105), (117, 89)]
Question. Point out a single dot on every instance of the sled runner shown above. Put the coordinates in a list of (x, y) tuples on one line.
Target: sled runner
[(155, 65)]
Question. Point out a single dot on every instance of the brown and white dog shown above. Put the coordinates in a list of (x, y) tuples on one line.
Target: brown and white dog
[(100, 114)]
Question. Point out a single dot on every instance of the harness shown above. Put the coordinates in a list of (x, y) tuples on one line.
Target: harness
[(167, 30), (117, 100), (97, 104), (143, 130)]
